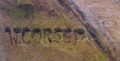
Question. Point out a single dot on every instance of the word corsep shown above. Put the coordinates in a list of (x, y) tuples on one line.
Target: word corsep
[(46, 31)]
